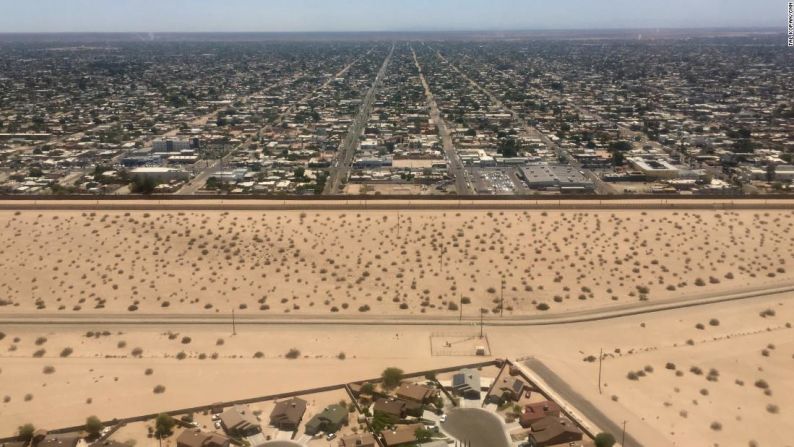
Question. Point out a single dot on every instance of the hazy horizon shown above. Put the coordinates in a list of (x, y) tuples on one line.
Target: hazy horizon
[(302, 16)]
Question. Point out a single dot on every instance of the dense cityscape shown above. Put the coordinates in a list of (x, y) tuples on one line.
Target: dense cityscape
[(367, 223), (636, 115)]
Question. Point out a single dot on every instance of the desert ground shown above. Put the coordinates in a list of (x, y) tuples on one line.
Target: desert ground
[(710, 375), (662, 408), (381, 262)]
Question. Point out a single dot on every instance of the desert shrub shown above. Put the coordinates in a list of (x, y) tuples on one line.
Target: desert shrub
[(292, 354), (542, 307), (39, 353), (137, 352), (148, 371), (341, 356), (158, 389), (48, 369), (186, 340), (66, 352), (714, 322), (181, 355)]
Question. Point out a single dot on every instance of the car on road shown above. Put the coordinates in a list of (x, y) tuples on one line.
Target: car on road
[(443, 418), (330, 436)]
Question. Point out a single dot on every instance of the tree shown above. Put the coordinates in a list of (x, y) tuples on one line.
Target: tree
[(771, 173), (143, 185), (423, 435), (618, 158), (392, 377), (163, 425), (26, 432), (380, 421), (93, 426), (604, 440), (367, 389)]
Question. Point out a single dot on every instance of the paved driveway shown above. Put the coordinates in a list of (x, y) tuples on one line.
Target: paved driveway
[(479, 428)]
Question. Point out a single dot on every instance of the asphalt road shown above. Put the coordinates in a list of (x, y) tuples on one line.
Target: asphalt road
[(462, 185), (347, 149), (476, 427), (582, 405), (582, 316)]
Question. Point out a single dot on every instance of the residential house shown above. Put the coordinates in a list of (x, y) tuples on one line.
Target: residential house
[(330, 420), (466, 383), (397, 409), (194, 437), (68, 440), (416, 392), (287, 414), (239, 422), (553, 431), (359, 440), (402, 435), (537, 411), (506, 389)]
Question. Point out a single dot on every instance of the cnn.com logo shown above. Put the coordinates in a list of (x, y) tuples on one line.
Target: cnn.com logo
[(791, 24)]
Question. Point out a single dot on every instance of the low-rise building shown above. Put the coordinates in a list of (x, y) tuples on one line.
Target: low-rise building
[(287, 414), (330, 420)]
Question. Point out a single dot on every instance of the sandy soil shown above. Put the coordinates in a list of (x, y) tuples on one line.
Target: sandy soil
[(651, 405), (68, 262), (385, 263)]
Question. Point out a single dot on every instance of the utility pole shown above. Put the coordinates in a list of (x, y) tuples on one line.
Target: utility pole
[(481, 323), (502, 300), (234, 325), (600, 361), (398, 224), (623, 438), (461, 307)]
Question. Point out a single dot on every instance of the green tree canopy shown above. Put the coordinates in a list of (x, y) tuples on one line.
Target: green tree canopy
[(392, 377), (163, 425), (604, 440), (93, 425), (26, 432)]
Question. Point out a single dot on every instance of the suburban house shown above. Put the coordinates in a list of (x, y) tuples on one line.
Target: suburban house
[(466, 383), (359, 440), (330, 420), (506, 389), (397, 409), (238, 421), (537, 411), (402, 435), (287, 414), (60, 441), (553, 431), (416, 392), (194, 437)]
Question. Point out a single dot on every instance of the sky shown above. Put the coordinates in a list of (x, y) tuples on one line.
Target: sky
[(380, 15)]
